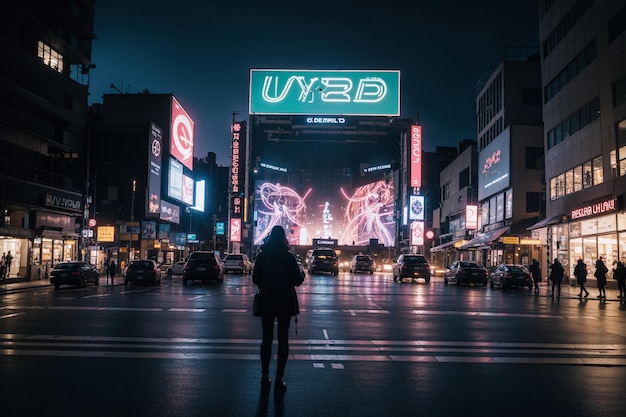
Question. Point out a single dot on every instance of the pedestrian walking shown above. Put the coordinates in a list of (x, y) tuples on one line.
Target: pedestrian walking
[(556, 276), (106, 269), (580, 272), (619, 273), (276, 273), (7, 263), (112, 271), (600, 275), (535, 270)]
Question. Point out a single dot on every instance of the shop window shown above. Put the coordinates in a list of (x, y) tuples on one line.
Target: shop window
[(578, 178), (598, 171), (588, 178), (569, 182)]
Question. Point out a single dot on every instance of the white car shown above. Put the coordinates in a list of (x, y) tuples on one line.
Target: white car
[(176, 268), (237, 263)]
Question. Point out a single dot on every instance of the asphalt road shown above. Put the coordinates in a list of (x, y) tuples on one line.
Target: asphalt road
[(365, 346)]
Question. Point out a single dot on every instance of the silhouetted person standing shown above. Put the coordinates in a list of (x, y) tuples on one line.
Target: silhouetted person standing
[(580, 272), (112, 271), (277, 273), (619, 273), (600, 274), (535, 270), (556, 276)]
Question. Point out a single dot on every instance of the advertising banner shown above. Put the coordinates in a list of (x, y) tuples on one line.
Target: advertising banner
[(170, 212), (148, 230), (417, 233), (235, 230), (181, 135), (415, 153), (154, 174), (494, 166), (416, 207), (471, 217), (325, 92), (106, 233)]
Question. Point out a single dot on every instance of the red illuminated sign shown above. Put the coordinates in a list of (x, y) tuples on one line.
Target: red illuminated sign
[(417, 234), (181, 135), (607, 206), (416, 156), (235, 230)]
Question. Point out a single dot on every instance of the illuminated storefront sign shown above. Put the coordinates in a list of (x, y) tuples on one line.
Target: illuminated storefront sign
[(181, 135), (326, 120), (272, 167), (235, 158), (325, 92), (416, 207), (471, 217), (376, 168), (417, 233), (106, 233), (416, 156), (595, 209), (235, 230), (154, 168)]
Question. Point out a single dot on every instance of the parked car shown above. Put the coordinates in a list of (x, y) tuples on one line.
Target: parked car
[(73, 273), (324, 260), (509, 275), (466, 272), (237, 263), (203, 266), (411, 266), (362, 263), (142, 271), (175, 269)]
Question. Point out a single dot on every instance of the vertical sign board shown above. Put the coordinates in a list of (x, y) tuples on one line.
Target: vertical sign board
[(154, 174), (417, 234), (416, 207), (235, 230), (416, 156), (181, 135), (236, 169), (471, 217)]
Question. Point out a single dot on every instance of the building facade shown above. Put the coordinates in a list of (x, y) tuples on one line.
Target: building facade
[(45, 50), (583, 44)]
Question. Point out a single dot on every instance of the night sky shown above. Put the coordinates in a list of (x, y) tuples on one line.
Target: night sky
[(202, 53)]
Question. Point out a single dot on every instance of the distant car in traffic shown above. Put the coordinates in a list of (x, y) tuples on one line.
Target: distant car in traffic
[(509, 275), (465, 272), (411, 266), (362, 263), (175, 269), (203, 266), (324, 260), (237, 263), (142, 271), (73, 273)]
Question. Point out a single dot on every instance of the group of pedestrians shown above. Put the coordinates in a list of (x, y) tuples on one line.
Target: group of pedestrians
[(557, 272), (5, 265), (110, 268)]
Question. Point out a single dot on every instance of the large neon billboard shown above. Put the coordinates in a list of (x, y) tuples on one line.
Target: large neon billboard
[(181, 135), (325, 92), (353, 216)]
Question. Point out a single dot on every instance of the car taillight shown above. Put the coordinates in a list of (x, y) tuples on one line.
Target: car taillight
[(241, 263), (509, 276), (187, 267)]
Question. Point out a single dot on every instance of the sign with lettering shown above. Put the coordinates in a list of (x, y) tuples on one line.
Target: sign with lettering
[(64, 202), (181, 135), (595, 209), (415, 153), (325, 242), (325, 92)]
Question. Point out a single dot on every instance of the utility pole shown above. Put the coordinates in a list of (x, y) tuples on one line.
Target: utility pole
[(132, 219)]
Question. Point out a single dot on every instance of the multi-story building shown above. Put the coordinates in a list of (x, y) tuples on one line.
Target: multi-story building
[(45, 62), (583, 45), (510, 160), (151, 197)]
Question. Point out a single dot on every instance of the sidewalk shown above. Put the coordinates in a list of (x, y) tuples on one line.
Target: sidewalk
[(16, 284)]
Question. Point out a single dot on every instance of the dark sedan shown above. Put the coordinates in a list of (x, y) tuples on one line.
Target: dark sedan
[(142, 271), (508, 275), (465, 272), (73, 273), (203, 266), (411, 266)]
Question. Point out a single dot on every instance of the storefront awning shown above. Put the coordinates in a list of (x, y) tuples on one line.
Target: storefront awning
[(447, 245), (547, 222), (485, 239)]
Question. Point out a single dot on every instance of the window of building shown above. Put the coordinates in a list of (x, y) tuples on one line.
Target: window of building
[(617, 24), (553, 188), (445, 192), (619, 92), (578, 178), (50, 57), (533, 202), (598, 171), (464, 178), (534, 157), (569, 182), (620, 134), (576, 121), (588, 178)]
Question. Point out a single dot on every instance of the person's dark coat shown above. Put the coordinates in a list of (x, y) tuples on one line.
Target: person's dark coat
[(556, 272), (580, 272), (276, 272), (535, 270), (619, 273), (600, 273)]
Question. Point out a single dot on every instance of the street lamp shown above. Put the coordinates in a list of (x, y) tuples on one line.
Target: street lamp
[(132, 218)]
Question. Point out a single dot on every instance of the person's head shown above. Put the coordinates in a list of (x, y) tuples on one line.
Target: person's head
[(556, 260), (277, 235), (580, 261)]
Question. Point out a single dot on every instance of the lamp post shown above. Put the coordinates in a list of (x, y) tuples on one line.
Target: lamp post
[(132, 219)]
